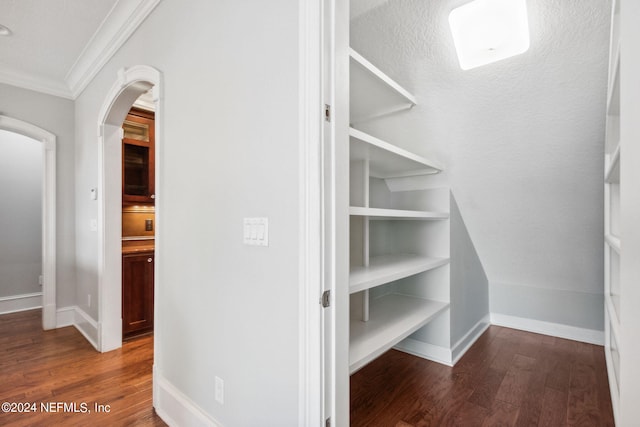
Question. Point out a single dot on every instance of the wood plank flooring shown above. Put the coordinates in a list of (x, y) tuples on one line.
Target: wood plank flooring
[(60, 366), (507, 378)]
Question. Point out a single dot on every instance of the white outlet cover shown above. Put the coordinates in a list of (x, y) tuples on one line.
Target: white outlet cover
[(219, 384)]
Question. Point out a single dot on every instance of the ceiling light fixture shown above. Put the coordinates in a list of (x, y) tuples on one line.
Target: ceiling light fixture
[(486, 31), (4, 31)]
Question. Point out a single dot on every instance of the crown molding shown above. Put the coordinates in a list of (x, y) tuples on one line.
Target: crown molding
[(35, 83), (125, 17)]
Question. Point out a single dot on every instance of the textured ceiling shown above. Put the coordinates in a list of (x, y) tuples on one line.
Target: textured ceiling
[(48, 35), (522, 139)]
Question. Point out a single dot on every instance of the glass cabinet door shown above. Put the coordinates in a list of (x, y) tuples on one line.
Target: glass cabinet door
[(138, 155)]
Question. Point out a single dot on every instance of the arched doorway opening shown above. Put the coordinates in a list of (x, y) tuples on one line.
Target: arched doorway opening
[(132, 82), (48, 212)]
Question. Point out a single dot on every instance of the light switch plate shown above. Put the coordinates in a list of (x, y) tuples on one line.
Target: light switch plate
[(256, 231)]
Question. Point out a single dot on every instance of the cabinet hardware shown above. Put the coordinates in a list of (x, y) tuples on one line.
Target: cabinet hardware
[(149, 259)]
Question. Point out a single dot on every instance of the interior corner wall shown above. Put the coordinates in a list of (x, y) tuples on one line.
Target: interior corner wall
[(55, 115), (469, 284), (228, 150), (21, 218)]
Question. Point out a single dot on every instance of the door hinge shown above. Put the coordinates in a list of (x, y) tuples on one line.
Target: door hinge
[(327, 112), (327, 423), (325, 300)]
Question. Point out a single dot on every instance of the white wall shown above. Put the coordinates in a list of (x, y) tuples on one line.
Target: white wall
[(20, 214), (522, 141), (230, 150), (55, 115)]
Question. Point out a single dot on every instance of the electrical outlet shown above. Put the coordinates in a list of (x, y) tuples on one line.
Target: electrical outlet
[(219, 390), (40, 280), (88, 300)]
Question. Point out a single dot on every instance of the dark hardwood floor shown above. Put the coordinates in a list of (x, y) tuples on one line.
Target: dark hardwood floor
[(60, 366), (507, 378)]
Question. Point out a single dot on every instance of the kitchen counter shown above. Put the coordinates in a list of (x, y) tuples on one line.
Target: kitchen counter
[(131, 246)]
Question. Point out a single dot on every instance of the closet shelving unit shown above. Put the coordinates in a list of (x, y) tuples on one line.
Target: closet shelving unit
[(612, 213), (381, 316)]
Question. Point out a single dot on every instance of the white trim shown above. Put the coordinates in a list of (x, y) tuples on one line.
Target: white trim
[(441, 354), (87, 326), (435, 353), (24, 302), (464, 344), (65, 316), (48, 212), (130, 83), (311, 374), (123, 19), (36, 83), (590, 336), (176, 409)]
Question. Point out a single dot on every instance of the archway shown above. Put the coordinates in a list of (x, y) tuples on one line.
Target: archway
[(48, 212), (132, 82)]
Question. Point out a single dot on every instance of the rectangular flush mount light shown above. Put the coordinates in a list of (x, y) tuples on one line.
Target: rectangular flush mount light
[(486, 31)]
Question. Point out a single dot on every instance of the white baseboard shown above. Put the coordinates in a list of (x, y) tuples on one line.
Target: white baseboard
[(87, 326), (65, 316), (465, 343), (547, 328), (24, 302), (444, 355), (435, 353), (176, 409), (75, 316)]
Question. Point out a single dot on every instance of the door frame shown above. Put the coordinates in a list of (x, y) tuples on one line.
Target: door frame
[(324, 220), (130, 84), (48, 140)]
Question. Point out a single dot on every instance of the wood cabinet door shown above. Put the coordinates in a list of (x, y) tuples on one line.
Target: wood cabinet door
[(137, 293), (138, 159)]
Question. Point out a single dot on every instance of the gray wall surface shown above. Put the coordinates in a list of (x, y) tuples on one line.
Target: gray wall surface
[(55, 115), (20, 214), (229, 150)]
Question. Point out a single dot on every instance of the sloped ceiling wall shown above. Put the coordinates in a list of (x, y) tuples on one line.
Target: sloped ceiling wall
[(522, 140)]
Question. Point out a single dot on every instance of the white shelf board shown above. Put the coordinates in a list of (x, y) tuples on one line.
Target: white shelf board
[(372, 92), (613, 242), (387, 268), (612, 172), (387, 160), (613, 101), (380, 214), (392, 318)]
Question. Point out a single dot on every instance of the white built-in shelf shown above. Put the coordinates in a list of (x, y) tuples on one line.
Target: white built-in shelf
[(612, 173), (386, 160), (392, 318), (372, 92), (387, 268), (380, 214), (613, 242), (613, 102)]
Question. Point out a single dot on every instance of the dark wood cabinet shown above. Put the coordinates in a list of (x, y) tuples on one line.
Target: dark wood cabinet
[(138, 158), (137, 293)]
